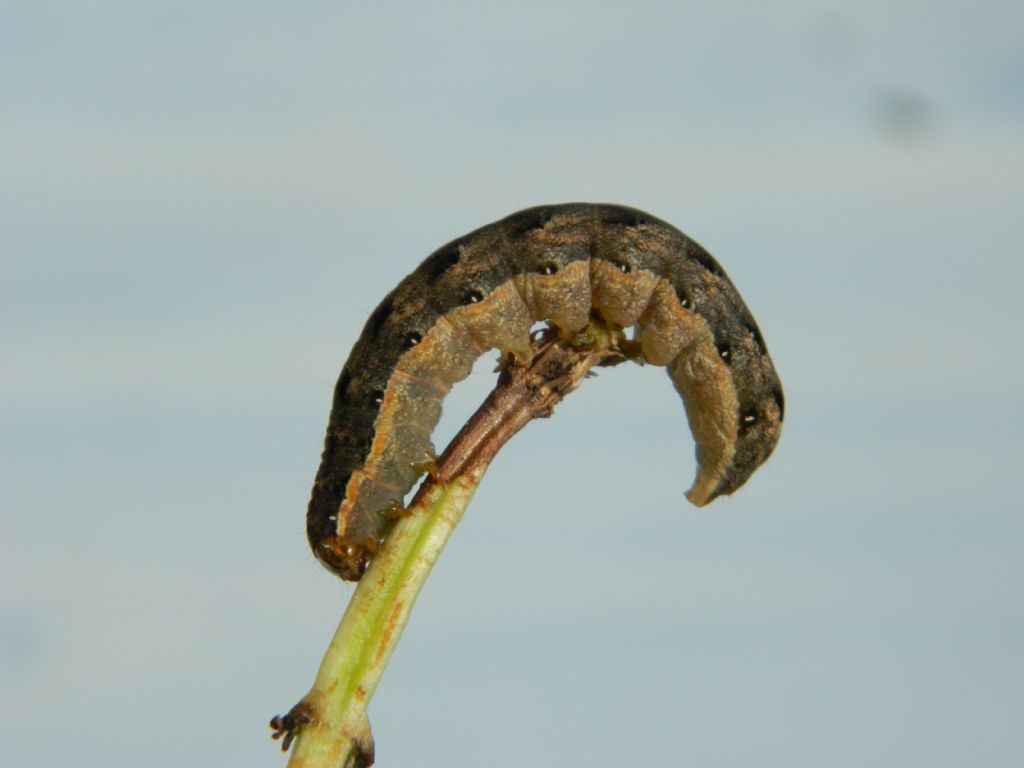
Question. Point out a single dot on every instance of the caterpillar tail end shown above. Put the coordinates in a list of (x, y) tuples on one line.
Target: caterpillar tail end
[(713, 464)]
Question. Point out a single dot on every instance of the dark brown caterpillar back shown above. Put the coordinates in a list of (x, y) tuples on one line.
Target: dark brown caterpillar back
[(557, 263)]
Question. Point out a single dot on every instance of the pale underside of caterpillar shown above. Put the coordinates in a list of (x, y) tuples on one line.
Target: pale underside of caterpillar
[(485, 290)]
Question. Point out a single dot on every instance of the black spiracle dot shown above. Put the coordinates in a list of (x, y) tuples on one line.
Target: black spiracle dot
[(724, 352), (472, 296), (748, 419), (412, 339), (622, 266), (684, 300), (377, 396), (547, 269)]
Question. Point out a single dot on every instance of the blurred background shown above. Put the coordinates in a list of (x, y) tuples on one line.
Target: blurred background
[(201, 203)]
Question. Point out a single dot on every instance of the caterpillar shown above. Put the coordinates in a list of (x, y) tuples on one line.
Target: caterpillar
[(484, 290)]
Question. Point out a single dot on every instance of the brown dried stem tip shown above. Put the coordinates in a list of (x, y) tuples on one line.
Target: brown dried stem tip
[(329, 726)]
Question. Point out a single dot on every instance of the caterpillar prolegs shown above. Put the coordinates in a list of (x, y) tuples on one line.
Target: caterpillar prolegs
[(484, 290)]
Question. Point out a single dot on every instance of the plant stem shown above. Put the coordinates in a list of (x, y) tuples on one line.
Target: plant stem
[(339, 734), (330, 726)]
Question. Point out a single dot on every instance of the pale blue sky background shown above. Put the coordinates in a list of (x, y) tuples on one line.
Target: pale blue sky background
[(200, 204)]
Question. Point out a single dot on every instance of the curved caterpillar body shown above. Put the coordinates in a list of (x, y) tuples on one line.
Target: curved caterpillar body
[(485, 290)]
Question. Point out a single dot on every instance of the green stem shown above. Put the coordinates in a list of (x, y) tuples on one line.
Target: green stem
[(339, 734), (329, 725)]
